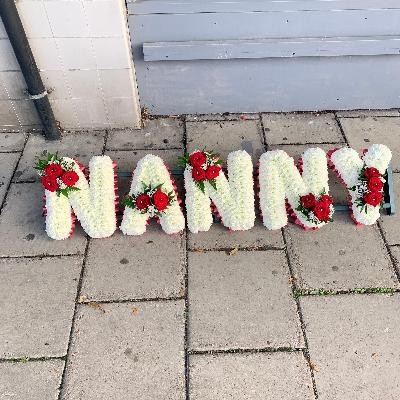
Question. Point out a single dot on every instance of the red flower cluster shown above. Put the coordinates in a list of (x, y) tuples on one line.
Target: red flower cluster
[(320, 207), (159, 199), (201, 171), (374, 195), (52, 172)]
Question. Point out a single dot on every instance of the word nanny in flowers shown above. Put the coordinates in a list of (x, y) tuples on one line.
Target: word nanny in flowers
[(300, 191)]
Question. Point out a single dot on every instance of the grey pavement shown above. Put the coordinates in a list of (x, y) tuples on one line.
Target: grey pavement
[(221, 315)]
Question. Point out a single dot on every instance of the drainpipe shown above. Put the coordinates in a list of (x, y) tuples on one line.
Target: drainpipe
[(37, 92)]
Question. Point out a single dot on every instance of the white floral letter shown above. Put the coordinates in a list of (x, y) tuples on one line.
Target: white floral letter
[(152, 171), (280, 180), (356, 174), (234, 199), (93, 205)]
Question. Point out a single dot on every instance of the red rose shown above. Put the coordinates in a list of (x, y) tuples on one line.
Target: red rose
[(198, 174), (322, 211), (375, 184), (70, 178), (160, 200), (142, 201), (50, 183), (212, 171), (53, 169), (370, 172), (325, 198), (197, 159), (308, 200), (373, 198)]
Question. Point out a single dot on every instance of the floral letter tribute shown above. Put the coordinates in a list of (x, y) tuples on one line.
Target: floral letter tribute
[(301, 191), (364, 179), (152, 194), (307, 194), (66, 186), (233, 199)]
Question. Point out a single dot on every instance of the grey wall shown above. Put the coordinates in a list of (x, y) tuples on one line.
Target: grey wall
[(215, 56)]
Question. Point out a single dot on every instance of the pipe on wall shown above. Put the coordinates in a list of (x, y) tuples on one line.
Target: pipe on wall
[(37, 92)]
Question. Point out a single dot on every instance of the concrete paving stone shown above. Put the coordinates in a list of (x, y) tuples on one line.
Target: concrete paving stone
[(390, 223), (220, 117), (354, 343), (41, 380), (363, 132), (37, 298), (127, 350), (340, 256), (292, 128), (160, 133), (220, 237), (368, 113), (12, 141), (148, 266), (81, 146), (224, 137), (258, 376), (8, 162), (22, 226), (395, 250), (241, 301), (337, 189)]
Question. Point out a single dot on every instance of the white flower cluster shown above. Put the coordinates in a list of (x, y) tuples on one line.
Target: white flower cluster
[(94, 205), (152, 171), (234, 199), (348, 165), (280, 180)]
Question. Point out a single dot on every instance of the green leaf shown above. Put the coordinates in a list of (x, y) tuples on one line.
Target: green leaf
[(200, 185), (213, 183)]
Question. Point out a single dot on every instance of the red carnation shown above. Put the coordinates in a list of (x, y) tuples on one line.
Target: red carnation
[(53, 169), (50, 183), (212, 171), (373, 198), (308, 200), (325, 198), (70, 178), (197, 159), (375, 184), (142, 201), (370, 172), (198, 174), (160, 200), (322, 211)]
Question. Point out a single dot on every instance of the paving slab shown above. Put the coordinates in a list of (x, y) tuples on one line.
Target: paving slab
[(220, 237), (390, 223), (224, 137), (292, 128), (37, 298), (81, 146), (148, 266), (337, 189), (22, 226), (340, 256), (363, 132), (125, 351), (241, 301), (368, 113), (221, 117), (395, 250), (12, 141), (354, 343), (159, 133), (283, 376), (41, 380), (8, 162)]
